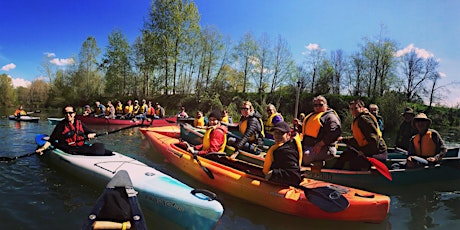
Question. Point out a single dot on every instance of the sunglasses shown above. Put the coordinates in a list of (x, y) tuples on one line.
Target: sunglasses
[(318, 105), (69, 113), (244, 108)]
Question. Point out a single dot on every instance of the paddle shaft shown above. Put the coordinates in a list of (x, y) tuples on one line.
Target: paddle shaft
[(206, 170), (380, 166), (3, 159)]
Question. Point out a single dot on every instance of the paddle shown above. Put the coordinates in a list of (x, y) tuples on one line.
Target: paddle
[(195, 156), (325, 198), (415, 158), (380, 166), (40, 141)]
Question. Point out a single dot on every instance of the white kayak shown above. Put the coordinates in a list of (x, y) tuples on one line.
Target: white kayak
[(187, 207), (24, 118)]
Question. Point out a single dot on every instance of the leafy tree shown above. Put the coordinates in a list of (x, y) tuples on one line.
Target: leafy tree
[(7, 98), (118, 67), (244, 51), (87, 81)]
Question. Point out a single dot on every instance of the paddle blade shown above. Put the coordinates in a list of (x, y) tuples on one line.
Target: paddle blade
[(381, 167), (40, 139), (326, 199)]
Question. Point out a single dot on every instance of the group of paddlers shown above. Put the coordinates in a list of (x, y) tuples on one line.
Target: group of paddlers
[(129, 111)]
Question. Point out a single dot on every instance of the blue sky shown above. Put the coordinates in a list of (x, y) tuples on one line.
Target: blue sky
[(29, 30)]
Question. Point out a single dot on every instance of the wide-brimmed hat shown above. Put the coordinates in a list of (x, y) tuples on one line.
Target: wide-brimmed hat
[(282, 126), (408, 111), (422, 117)]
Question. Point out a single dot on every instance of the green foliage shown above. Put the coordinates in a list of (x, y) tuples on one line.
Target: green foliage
[(7, 97)]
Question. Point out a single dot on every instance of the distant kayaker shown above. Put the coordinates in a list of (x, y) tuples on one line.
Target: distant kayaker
[(182, 113), (320, 130), (427, 143), (374, 110), (20, 112), (87, 111), (110, 111), (69, 136), (159, 111), (273, 118), (214, 138), (199, 121), (251, 128), (226, 118), (406, 130), (100, 110), (367, 140), (283, 159)]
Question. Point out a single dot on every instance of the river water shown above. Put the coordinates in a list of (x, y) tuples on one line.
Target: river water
[(34, 195)]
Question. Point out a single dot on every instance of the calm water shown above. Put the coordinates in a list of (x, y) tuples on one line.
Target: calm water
[(36, 196)]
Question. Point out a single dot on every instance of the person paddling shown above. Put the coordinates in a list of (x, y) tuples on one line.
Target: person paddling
[(69, 135)]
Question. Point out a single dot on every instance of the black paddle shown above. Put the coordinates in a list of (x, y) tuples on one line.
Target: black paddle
[(326, 198), (7, 159), (195, 156)]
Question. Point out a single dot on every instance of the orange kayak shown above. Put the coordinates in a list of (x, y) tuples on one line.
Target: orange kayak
[(311, 199)]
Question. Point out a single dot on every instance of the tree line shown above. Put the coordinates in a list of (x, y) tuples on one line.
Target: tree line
[(175, 55)]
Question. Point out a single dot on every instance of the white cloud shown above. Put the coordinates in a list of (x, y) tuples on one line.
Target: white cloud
[(50, 55), (312, 46), (8, 67), (62, 61), (421, 53), (17, 82), (442, 74)]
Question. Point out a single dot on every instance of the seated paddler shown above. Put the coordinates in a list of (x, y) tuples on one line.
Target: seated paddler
[(70, 134), (283, 159), (215, 136)]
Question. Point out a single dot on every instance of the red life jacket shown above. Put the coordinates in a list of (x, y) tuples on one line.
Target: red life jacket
[(75, 135)]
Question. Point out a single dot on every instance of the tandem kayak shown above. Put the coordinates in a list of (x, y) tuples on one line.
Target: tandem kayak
[(245, 181), (117, 207), (169, 198), (90, 120), (448, 169), (25, 118)]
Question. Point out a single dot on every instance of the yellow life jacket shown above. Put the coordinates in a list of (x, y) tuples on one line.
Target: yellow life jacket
[(198, 122), (136, 109), (144, 108), (129, 109), (313, 122), (243, 125), (207, 140), (107, 110), (269, 156), (269, 123), (426, 146), (225, 119), (119, 109), (358, 134)]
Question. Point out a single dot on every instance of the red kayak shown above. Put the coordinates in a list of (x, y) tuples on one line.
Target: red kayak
[(105, 121)]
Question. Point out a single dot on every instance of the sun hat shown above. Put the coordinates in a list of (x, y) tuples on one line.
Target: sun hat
[(422, 117), (408, 110), (282, 126)]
